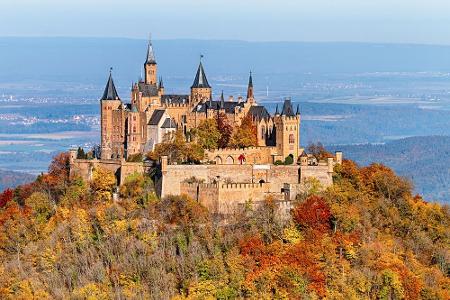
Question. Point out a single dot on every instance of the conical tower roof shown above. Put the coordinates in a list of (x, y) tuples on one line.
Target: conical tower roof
[(200, 80), (250, 87), (110, 92)]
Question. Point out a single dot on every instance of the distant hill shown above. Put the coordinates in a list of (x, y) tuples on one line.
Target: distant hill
[(424, 160), (88, 60), (11, 179)]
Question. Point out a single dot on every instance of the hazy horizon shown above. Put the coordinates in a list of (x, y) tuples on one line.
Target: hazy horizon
[(413, 21)]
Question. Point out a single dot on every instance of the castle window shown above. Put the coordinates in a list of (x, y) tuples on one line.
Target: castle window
[(263, 132), (134, 129), (291, 139)]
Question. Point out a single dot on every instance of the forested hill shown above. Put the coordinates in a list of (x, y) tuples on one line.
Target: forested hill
[(366, 237), (425, 160)]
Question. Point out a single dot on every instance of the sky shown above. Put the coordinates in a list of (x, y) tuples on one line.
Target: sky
[(392, 21)]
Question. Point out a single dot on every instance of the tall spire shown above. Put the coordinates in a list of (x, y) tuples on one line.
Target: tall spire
[(161, 84), (200, 80), (276, 110), (298, 110), (150, 53), (222, 100), (250, 87), (110, 92)]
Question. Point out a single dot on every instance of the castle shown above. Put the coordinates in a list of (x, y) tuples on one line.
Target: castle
[(136, 127), (223, 180)]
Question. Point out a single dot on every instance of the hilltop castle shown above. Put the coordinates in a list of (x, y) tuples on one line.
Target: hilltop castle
[(222, 181), (136, 127)]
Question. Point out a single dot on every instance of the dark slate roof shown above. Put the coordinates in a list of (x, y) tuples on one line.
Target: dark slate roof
[(110, 92), (150, 54), (169, 123), (200, 80), (259, 112), (287, 111), (216, 105), (156, 117), (178, 99), (148, 90)]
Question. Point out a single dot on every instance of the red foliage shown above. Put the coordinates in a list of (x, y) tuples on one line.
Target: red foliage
[(5, 197), (314, 214)]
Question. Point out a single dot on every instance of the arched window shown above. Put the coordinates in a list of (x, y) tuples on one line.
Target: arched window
[(218, 160), (291, 139), (263, 132), (230, 160), (134, 129)]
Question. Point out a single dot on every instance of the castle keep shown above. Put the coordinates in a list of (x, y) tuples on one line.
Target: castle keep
[(223, 180)]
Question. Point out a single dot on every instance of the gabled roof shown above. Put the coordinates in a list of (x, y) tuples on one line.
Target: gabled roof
[(178, 99), (150, 54), (259, 112), (110, 92), (156, 117), (169, 123), (200, 80), (228, 106), (287, 111), (148, 90)]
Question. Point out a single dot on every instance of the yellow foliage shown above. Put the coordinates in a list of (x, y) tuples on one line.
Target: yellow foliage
[(292, 235), (91, 291)]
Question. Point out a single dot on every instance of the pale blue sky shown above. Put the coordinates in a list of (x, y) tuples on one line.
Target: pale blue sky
[(411, 21)]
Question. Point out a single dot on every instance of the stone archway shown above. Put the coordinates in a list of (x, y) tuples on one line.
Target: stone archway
[(230, 160), (218, 160)]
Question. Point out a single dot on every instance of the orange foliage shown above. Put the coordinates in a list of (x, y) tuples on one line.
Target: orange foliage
[(314, 214)]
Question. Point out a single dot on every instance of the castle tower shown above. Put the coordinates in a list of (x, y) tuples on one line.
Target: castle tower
[(134, 131), (250, 94), (111, 133), (150, 65), (200, 89), (160, 87), (287, 126)]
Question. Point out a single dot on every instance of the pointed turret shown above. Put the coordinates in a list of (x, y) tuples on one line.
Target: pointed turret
[(160, 84), (200, 80), (200, 89), (250, 94), (222, 101), (150, 65), (110, 92), (151, 60), (276, 111), (287, 111), (298, 110)]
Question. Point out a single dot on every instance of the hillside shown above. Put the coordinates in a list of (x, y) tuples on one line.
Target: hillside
[(425, 160), (11, 179), (366, 237)]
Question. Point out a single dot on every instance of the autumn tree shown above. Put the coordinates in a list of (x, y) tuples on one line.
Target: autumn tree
[(319, 151), (102, 184), (175, 147), (314, 213), (246, 134), (225, 129), (207, 134)]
